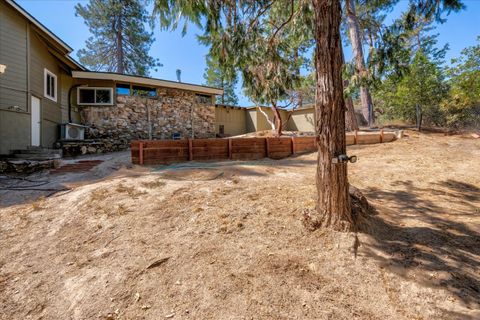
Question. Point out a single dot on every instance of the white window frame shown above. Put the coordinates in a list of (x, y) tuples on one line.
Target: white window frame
[(95, 95), (45, 80)]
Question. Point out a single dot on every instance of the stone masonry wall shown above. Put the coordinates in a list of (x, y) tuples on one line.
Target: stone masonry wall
[(170, 113)]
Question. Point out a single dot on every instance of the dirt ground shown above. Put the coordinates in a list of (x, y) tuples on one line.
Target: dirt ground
[(226, 241)]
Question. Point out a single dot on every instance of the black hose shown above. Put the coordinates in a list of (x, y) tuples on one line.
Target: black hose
[(70, 102), (32, 189)]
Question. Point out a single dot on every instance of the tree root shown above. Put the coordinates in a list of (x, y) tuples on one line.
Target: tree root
[(359, 218)]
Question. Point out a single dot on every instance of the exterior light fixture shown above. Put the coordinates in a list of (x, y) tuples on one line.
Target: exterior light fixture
[(343, 158)]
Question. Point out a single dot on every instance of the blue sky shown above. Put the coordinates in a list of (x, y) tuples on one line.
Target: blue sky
[(177, 52)]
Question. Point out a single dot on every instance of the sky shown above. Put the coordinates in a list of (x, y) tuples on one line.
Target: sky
[(185, 53)]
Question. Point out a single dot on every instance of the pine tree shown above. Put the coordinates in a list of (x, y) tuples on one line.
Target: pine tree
[(237, 27), (119, 41), (215, 77)]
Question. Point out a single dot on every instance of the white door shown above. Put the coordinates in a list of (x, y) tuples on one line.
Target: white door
[(35, 112)]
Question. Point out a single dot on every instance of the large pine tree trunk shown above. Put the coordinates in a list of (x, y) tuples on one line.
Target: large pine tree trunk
[(333, 204), (360, 69), (350, 118), (119, 39)]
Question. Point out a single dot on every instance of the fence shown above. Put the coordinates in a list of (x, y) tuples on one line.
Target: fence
[(167, 151)]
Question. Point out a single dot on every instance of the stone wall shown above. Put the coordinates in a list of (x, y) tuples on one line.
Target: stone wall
[(134, 117)]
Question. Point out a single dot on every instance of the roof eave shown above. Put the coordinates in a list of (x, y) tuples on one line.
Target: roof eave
[(92, 75)]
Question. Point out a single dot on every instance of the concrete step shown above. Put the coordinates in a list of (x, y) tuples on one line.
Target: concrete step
[(38, 151), (37, 156)]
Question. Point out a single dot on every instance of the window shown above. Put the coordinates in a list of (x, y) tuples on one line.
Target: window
[(203, 98), (94, 96), (144, 91), (50, 85), (221, 129), (123, 89)]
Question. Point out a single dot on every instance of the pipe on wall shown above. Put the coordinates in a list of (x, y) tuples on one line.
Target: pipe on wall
[(70, 102)]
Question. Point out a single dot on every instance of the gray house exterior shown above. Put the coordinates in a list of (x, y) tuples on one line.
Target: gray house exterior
[(41, 87)]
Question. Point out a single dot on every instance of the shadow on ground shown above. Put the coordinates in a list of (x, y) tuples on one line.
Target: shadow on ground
[(422, 240)]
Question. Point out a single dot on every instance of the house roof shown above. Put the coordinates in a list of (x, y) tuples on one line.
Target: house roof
[(96, 75), (226, 106), (85, 74)]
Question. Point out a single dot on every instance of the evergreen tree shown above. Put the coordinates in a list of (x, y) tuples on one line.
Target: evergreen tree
[(462, 107), (240, 29), (215, 77), (422, 86), (119, 41)]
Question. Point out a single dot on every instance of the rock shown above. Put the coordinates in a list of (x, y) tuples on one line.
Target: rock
[(129, 120)]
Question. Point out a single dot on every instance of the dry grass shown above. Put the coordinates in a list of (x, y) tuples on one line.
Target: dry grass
[(39, 204), (235, 248), (153, 184)]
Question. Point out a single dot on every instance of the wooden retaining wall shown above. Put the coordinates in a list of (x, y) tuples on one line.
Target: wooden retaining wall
[(151, 152)]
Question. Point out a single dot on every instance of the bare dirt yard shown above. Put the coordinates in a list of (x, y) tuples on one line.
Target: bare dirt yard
[(226, 241)]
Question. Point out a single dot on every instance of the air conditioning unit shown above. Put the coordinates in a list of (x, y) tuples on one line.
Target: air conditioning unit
[(72, 131)]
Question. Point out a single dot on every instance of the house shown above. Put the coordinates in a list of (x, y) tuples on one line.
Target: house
[(231, 121), (42, 87)]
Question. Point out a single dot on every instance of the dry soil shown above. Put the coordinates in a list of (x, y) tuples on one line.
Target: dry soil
[(226, 241)]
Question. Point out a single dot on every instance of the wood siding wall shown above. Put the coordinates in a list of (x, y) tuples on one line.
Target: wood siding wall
[(233, 120), (302, 120), (26, 55), (14, 120)]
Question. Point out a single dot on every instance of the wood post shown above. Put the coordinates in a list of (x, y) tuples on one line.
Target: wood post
[(293, 146), (267, 146), (190, 150), (140, 153), (355, 137), (230, 149), (381, 135)]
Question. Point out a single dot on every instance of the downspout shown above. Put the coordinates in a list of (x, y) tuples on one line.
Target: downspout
[(70, 102), (148, 119), (191, 116)]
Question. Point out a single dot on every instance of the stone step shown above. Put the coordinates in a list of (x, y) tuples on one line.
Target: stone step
[(37, 156), (38, 151)]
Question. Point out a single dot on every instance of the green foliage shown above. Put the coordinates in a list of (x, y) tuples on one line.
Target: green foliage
[(215, 77), (265, 41), (119, 41), (423, 85), (462, 107)]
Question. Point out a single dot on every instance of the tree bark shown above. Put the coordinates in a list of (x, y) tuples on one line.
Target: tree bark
[(277, 120), (333, 208), (360, 69), (120, 54), (350, 118)]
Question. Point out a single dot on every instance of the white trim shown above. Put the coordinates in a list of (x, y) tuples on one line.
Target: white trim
[(55, 91), (95, 96), (145, 81)]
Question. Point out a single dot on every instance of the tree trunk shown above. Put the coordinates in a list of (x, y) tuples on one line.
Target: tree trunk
[(297, 74), (350, 118), (333, 208), (360, 69), (120, 54), (223, 94), (277, 120)]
